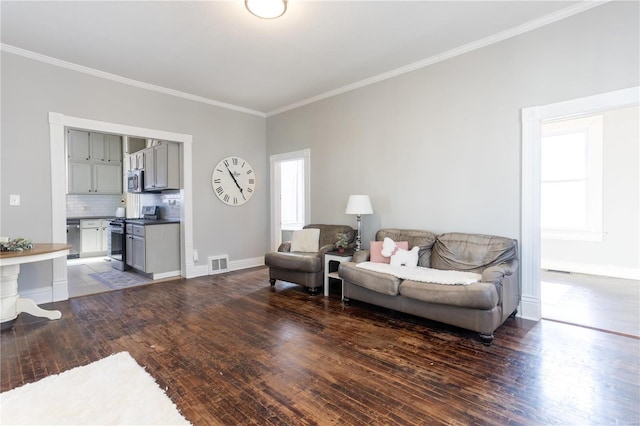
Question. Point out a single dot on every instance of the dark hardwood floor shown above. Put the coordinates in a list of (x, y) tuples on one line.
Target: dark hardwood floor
[(229, 349)]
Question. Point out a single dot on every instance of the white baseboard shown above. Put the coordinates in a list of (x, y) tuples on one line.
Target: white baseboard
[(60, 290), (197, 271), (530, 308), (591, 269), (163, 275), (39, 295), (235, 265)]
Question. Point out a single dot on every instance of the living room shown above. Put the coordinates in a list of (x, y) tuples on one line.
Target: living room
[(436, 148)]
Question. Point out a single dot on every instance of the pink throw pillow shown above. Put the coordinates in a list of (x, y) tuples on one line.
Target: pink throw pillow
[(375, 251)]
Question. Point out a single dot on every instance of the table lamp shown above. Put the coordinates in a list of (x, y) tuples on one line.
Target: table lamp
[(359, 205)]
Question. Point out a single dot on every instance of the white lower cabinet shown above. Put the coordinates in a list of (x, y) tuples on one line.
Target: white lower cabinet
[(93, 237)]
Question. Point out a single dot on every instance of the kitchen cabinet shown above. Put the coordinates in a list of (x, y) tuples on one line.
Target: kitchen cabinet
[(134, 161), (80, 179), (105, 148), (93, 236), (87, 178), (107, 179), (94, 163), (162, 167), (78, 145), (136, 250), (154, 249), (104, 235)]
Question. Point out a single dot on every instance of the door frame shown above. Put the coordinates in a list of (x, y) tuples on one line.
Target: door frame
[(274, 178), (57, 124), (530, 243)]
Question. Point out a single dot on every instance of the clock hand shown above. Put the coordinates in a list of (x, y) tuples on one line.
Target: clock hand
[(235, 181)]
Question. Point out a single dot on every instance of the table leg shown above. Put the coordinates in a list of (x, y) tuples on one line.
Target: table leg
[(10, 302), (30, 307)]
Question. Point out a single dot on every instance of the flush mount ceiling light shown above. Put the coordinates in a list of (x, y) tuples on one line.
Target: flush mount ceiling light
[(266, 9)]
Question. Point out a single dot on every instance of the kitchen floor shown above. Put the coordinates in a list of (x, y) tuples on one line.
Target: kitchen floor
[(79, 271)]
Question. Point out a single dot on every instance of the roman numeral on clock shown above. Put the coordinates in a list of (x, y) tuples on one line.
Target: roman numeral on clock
[(252, 181), (216, 180), (226, 198), (219, 190)]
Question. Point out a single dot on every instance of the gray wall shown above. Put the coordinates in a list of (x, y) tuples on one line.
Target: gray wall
[(439, 148), (619, 251), (31, 89)]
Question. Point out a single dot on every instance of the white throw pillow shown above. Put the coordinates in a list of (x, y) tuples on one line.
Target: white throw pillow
[(306, 240)]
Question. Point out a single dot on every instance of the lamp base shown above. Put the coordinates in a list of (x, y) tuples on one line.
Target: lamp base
[(359, 235)]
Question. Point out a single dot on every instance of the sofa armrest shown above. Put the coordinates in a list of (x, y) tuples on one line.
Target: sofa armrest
[(360, 256), (326, 249), (496, 273), (286, 246)]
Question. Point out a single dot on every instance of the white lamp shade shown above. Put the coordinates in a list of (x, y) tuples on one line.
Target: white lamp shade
[(359, 204)]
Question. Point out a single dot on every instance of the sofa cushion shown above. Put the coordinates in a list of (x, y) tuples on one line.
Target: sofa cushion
[(473, 296), (422, 239), (375, 249), (376, 281), (305, 240), (302, 262), (471, 252)]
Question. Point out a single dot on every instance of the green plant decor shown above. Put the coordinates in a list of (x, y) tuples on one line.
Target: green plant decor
[(16, 244), (342, 242)]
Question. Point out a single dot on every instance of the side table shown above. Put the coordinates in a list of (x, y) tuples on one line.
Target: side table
[(330, 259)]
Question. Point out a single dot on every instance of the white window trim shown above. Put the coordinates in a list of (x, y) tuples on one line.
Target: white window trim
[(297, 225), (274, 177)]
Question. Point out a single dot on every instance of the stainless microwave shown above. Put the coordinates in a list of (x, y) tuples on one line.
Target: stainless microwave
[(135, 181)]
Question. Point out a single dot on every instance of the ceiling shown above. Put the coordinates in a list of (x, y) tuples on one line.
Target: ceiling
[(217, 52)]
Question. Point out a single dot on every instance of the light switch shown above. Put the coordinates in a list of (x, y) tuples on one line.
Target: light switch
[(14, 200)]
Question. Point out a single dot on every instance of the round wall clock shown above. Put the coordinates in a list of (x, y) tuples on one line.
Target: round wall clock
[(233, 181)]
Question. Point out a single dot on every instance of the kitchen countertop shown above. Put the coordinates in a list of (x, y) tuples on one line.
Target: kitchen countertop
[(151, 221), (91, 218)]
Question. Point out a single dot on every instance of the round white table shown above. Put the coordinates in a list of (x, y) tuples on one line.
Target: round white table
[(11, 304)]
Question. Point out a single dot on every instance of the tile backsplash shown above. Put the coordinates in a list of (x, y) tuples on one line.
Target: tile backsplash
[(169, 202), (93, 205)]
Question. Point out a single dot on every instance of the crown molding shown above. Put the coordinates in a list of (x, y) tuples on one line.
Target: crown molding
[(495, 38), (128, 81), (487, 41)]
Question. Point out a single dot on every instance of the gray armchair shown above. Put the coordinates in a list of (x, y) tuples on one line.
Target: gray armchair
[(305, 268)]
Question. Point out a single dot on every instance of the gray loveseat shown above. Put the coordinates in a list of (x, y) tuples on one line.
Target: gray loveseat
[(482, 306), (306, 268)]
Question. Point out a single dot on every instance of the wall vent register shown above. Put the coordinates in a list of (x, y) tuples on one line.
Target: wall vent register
[(218, 264)]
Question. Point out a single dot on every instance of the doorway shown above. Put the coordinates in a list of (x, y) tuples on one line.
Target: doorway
[(290, 197), (532, 120), (590, 207), (57, 124)]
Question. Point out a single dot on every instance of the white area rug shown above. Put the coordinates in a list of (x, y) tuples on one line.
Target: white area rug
[(112, 391)]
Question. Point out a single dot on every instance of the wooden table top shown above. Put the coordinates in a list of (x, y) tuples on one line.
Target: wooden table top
[(41, 248)]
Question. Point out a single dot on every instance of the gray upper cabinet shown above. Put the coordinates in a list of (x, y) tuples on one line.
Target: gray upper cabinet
[(162, 167), (105, 148), (94, 163), (78, 145)]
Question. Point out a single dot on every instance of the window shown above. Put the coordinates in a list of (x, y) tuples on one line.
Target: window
[(571, 172), (292, 194)]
